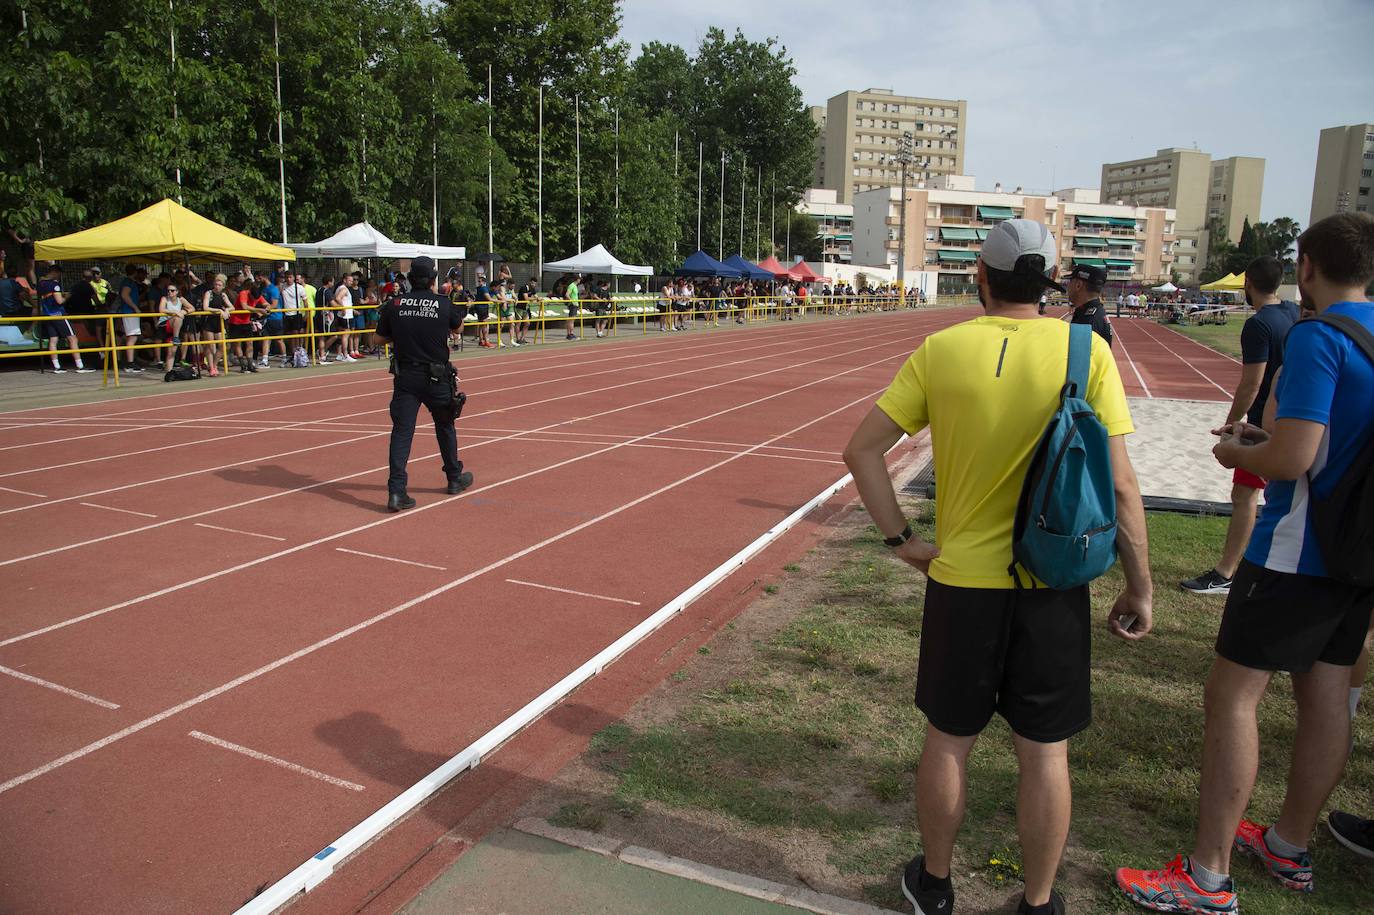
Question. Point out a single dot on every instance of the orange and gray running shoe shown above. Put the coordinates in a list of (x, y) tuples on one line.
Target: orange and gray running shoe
[(1294, 873), (1174, 890)]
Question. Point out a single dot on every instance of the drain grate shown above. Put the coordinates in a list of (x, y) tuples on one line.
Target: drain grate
[(923, 484)]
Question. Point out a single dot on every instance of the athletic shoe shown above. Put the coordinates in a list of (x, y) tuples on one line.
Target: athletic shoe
[(570, 337), (347, 358), (1355, 833), (516, 343), (1174, 890), (1294, 873), (1209, 582), (1056, 904), (459, 483), (132, 370), (927, 902), (82, 370), (263, 362), (58, 371)]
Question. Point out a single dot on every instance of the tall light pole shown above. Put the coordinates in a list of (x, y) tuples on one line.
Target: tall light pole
[(903, 157)]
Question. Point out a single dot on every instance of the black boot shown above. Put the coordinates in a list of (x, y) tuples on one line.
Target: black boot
[(399, 502), (459, 483)]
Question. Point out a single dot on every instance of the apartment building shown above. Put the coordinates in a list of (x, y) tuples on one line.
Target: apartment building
[(948, 220), (834, 223), (1345, 171), (1199, 190), (862, 130), (818, 118)]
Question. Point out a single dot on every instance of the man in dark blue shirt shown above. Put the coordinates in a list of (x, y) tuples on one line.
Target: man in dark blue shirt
[(1261, 347)]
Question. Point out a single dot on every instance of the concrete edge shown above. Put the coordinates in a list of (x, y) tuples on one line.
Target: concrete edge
[(744, 884)]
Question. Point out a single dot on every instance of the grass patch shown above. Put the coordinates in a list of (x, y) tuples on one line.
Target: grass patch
[(1224, 338), (579, 816), (791, 567), (817, 733), (770, 589)]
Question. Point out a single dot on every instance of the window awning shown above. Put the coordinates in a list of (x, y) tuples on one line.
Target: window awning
[(1089, 262), (948, 254), (1128, 242), (1089, 241), (1113, 262), (1121, 221), (959, 234), (1093, 221), (982, 234), (997, 213)]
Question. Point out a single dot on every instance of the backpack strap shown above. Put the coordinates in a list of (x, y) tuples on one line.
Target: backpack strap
[(1352, 329), (1080, 360)]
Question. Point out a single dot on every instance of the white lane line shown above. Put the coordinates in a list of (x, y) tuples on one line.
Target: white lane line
[(276, 761), (111, 508), (232, 530), (23, 492), (897, 337), (1125, 351), (1199, 371), (299, 653), (614, 600), (408, 562), (76, 693), (518, 387)]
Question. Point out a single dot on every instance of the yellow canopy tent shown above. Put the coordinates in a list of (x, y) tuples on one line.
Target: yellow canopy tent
[(1228, 283), (165, 228)]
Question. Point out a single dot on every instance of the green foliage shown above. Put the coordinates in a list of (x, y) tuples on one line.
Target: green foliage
[(385, 107), (1276, 239)]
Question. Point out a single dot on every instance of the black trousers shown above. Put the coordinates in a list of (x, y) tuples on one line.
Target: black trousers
[(410, 389)]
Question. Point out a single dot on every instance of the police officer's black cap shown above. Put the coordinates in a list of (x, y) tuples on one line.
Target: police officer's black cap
[(1094, 276), (422, 268)]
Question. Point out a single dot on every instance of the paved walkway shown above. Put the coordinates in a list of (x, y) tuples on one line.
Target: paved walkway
[(513, 873), (1172, 449)]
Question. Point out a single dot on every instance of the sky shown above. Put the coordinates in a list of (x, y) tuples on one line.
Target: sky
[(1055, 88)]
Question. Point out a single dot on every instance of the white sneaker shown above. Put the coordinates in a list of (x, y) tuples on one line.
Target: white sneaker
[(515, 343), (347, 358), (58, 371), (82, 370)]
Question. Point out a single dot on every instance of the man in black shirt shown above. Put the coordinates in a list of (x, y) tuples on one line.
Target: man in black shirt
[(1085, 288), (418, 324), (1261, 356)]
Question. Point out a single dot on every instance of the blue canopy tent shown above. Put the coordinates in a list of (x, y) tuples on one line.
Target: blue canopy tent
[(747, 270), (702, 264)]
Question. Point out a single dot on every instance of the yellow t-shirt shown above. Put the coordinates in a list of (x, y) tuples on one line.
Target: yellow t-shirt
[(987, 388)]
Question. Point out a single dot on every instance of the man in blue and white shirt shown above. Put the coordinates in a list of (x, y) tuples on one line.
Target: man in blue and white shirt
[(1284, 611)]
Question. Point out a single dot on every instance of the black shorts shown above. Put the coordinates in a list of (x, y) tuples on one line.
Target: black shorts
[(56, 329), (482, 311), (600, 308), (1285, 621), (1023, 654), (572, 309), (241, 332)]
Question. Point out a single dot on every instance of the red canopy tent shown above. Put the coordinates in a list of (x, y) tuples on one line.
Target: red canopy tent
[(771, 264), (802, 273)]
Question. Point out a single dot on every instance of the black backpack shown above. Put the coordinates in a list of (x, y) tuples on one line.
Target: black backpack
[(1343, 522)]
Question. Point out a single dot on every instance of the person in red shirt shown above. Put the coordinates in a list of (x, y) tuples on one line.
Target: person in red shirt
[(245, 322)]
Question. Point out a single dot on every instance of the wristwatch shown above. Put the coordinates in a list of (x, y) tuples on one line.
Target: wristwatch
[(901, 538)]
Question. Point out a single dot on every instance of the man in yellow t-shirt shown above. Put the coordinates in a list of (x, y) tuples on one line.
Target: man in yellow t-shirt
[(987, 389)]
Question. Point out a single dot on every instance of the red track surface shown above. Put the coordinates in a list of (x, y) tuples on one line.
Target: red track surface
[(133, 618)]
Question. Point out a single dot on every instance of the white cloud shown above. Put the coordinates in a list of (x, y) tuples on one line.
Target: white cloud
[(1057, 87)]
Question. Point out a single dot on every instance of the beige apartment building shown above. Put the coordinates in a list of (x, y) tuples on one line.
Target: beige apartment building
[(948, 220), (1197, 189), (834, 223), (861, 135), (818, 118), (1345, 171)]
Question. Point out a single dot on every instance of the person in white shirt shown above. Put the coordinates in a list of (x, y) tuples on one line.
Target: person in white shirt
[(1132, 302), (294, 302), (173, 308), (343, 317)]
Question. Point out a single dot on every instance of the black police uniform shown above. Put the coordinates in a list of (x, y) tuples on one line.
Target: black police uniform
[(1093, 313), (418, 323)]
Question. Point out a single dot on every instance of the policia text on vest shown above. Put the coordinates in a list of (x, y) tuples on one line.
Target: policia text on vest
[(417, 324)]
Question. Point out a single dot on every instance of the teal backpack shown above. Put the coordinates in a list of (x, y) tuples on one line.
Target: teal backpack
[(1065, 531)]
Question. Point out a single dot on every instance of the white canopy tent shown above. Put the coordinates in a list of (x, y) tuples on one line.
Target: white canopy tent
[(1167, 287), (597, 259), (363, 239)]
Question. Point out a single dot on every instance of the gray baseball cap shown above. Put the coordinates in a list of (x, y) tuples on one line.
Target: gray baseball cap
[(1011, 240)]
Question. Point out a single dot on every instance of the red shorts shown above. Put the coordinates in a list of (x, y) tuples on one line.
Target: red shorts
[(1246, 478)]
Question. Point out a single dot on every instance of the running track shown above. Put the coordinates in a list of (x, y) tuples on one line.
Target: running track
[(217, 654)]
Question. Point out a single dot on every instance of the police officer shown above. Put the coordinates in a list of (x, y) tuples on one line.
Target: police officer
[(1085, 289), (417, 323)]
